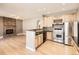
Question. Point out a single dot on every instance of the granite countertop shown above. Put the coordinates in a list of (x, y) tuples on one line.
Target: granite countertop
[(40, 31), (35, 29), (47, 29)]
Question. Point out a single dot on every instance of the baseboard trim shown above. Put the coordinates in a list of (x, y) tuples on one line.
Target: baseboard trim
[(1, 37), (30, 49), (20, 34)]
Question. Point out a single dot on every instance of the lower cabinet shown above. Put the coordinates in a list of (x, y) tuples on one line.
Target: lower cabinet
[(33, 40), (38, 40), (49, 35)]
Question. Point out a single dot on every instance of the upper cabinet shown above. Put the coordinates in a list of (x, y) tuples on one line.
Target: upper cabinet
[(48, 22), (69, 17)]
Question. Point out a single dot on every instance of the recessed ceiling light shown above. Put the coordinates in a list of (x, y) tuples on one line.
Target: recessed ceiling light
[(63, 4)]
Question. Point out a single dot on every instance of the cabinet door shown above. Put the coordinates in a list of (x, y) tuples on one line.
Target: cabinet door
[(49, 35), (36, 41), (39, 40), (48, 22)]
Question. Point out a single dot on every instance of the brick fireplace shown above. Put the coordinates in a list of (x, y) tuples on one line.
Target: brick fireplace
[(9, 26), (9, 31)]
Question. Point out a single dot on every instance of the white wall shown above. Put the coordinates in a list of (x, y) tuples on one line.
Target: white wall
[(19, 24), (1, 27), (31, 23)]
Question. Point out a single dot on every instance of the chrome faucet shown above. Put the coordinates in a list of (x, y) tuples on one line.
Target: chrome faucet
[(38, 24)]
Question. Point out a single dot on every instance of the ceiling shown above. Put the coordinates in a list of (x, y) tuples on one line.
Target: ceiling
[(33, 10)]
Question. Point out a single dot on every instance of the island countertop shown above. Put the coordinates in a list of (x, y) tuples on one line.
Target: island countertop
[(46, 29)]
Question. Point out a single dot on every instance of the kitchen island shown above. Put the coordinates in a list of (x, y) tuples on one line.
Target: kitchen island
[(34, 38)]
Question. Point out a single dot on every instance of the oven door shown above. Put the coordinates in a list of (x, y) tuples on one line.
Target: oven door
[(58, 36)]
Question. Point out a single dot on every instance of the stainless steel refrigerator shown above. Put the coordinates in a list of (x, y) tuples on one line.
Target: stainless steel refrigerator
[(76, 32), (67, 33)]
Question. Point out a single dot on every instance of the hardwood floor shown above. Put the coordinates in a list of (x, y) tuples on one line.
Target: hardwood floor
[(12, 45), (52, 48), (16, 46)]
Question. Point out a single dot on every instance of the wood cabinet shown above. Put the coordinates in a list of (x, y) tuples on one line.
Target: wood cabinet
[(49, 35), (48, 22), (39, 40)]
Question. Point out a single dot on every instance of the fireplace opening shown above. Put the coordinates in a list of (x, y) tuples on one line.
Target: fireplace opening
[(9, 31)]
